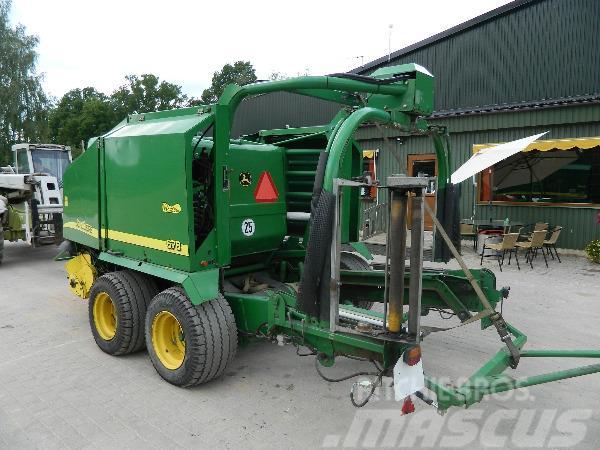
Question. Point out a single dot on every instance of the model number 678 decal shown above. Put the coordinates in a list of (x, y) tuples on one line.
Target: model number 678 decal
[(174, 245)]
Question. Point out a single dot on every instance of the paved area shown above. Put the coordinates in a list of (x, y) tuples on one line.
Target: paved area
[(58, 390)]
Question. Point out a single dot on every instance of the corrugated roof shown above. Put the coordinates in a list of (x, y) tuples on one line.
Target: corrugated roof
[(493, 14), (521, 106)]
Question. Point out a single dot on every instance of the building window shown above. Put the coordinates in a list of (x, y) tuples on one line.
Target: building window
[(370, 167), (563, 172), (22, 161), (424, 166)]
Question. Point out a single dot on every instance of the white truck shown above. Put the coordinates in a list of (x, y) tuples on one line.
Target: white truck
[(31, 201)]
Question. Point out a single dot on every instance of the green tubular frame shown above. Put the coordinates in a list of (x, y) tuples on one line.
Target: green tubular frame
[(279, 309), (340, 90), (335, 89), (442, 153), (282, 318), (341, 139), (490, 378), (251, 310)]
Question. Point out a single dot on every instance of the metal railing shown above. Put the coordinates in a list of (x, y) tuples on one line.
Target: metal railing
[(374, 220)]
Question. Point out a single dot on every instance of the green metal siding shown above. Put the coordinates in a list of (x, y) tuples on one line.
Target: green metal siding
[(281, 109), (579, 223), (544, 49)]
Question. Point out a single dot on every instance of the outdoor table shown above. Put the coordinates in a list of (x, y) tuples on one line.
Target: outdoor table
[(486, 224), (482, 226)]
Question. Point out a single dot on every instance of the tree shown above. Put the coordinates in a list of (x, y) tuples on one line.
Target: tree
[(79, 115), (146, 94), (85, 113), (240, 73), (23, 104)]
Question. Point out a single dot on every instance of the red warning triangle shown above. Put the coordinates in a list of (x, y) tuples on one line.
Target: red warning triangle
[(265, 192)]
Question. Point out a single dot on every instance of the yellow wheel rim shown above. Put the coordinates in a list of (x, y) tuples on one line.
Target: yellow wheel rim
[(168, 340), (105, 316)]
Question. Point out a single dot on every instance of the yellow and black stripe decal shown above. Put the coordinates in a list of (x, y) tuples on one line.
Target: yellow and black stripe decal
[(82, 226), (168, 246)]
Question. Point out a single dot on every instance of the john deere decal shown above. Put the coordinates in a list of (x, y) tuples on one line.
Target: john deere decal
[(172, 209)]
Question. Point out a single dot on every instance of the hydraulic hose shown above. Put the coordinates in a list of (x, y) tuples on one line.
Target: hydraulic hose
[(320, 233), (313, 292), (371, 80)]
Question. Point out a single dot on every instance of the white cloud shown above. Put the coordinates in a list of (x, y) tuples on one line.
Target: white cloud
[(96, 43)]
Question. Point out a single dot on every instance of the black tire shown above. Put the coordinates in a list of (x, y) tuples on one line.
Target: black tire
[(130, 293), (352, 261), (208, 332)]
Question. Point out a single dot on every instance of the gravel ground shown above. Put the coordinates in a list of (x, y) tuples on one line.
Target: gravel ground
[(58, 390)]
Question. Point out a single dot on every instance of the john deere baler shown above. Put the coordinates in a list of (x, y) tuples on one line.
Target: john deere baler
[(187, 241)]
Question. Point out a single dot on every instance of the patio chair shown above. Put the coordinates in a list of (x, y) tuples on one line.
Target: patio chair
[(468, 230), (508, 244), (514, 229), (532, 227), (533, 245), (551, 242)]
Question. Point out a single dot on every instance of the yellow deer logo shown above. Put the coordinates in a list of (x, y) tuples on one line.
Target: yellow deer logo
[(172, 209)]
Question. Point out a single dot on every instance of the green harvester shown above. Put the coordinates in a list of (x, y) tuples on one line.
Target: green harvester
[(189, 242)]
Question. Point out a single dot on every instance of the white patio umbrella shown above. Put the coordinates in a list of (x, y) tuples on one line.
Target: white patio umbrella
[(513, 173), (489, 156)]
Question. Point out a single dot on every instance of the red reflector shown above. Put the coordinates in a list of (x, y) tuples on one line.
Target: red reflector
[(408, 406), (266, 192), (412, 356)]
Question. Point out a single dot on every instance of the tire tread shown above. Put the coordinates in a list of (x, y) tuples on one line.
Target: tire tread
[(134, 292), (211, 338), (351, 261)]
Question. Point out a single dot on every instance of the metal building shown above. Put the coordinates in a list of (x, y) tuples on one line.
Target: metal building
[(524, 68)]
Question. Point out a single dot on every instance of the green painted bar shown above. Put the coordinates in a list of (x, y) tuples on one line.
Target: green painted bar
[(560, 353)]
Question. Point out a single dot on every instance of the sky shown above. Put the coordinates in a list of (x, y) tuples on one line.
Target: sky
[(96, 43)]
